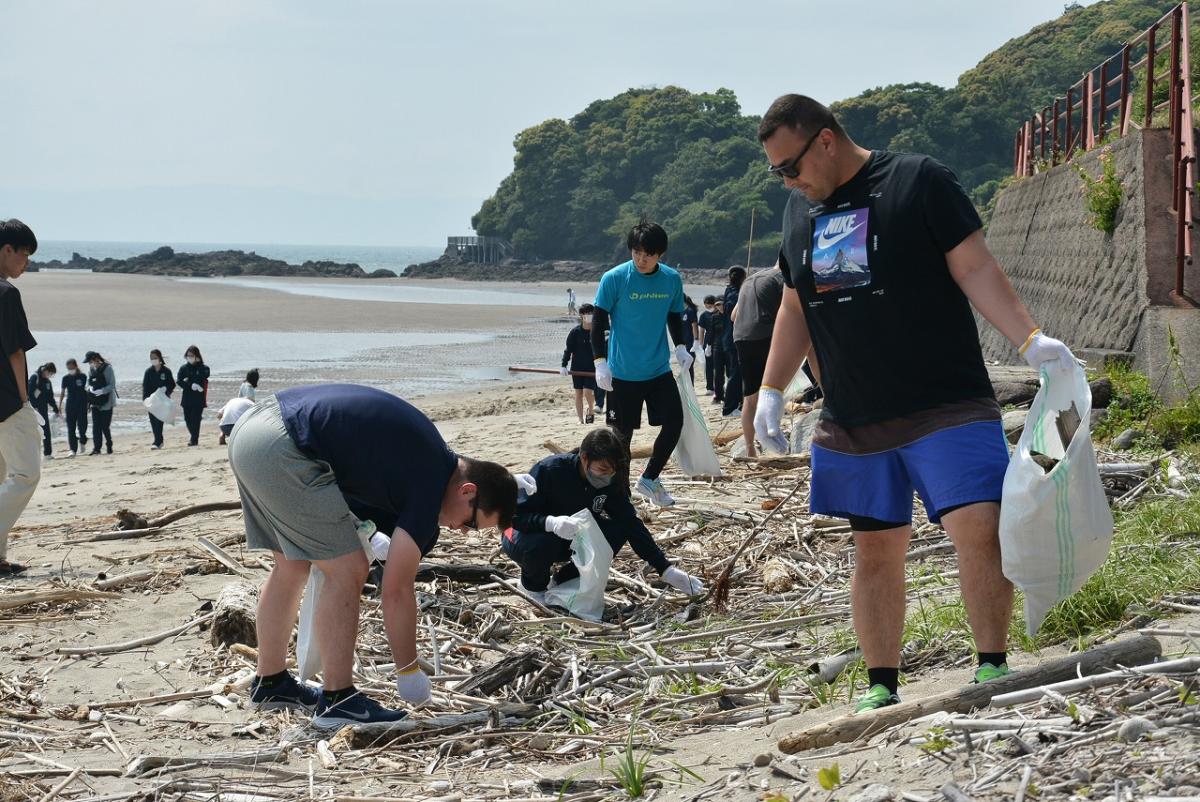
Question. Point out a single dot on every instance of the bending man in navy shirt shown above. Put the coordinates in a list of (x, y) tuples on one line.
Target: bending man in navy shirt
[(313, 464), (595, 478)]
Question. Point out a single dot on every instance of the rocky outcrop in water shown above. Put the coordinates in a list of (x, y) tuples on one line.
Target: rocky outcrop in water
[(165, 261)]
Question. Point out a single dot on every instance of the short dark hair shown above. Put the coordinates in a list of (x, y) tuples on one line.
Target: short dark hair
[(688, 302), (192, 349), (586, 309), (72, 363), (48, 366), (606, 445), (800, 113), (496, 489), (648, 237), (710, 299), (252, 377), (20, 236)]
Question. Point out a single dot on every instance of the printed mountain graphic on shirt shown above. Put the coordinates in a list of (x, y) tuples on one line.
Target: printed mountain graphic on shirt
[(840, 251)]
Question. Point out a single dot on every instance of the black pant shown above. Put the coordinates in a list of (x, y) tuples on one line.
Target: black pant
[(600, 393), (663, 409), (537, 553), (718, 372), (733, 387), (46, 449), (77, 421), (101, 421), (156, 426), (191, 416)]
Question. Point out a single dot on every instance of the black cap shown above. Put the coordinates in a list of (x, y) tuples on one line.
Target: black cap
[(90, 355)]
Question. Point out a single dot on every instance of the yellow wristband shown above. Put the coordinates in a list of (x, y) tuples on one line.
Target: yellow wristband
[(600, 359), (769, 387), (1025, 346), (410, 668)]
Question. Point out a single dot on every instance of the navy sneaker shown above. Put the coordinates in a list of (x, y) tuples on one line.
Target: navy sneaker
[(284, 694), (356, 709)]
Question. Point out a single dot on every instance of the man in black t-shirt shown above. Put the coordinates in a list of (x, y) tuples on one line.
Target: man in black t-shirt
[(20, 429), (885, 256)]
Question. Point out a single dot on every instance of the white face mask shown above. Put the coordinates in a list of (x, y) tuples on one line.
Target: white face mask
[(156, 362), (191, 360), (587, 319)]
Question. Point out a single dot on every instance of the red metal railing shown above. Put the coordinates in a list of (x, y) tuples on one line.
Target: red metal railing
[(1101, 103)]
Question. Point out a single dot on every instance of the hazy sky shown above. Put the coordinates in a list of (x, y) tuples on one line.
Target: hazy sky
[(388, 122)]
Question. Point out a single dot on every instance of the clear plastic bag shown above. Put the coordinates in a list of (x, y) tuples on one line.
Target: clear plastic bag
[(161, 406), (694, 453), (308, 652), (584, 597), (1055, 526)]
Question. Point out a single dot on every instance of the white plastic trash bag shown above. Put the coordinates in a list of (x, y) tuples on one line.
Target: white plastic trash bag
[(161, 406), (694, 452), (1056, 527), (584, 597), (308, 652), (799, 383)]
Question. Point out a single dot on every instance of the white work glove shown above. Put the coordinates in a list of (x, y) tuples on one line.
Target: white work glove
[(682, 356), (564, 371), (1042, 349), (197, 387), (562, 525), (526, 482), (682, 582), (95, 391), (41, 421), (768, 420), (380, 543), (708, 350), (603, 375), (413, 685)]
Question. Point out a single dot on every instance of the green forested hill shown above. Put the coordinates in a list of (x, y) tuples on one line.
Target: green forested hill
[(693, 162)]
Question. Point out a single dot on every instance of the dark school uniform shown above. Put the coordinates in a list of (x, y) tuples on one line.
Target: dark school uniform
[(391, 464), (578, 355), (104, 380), (74, 389), (152, 379), (193, 401), (562, 490), (41, 396)]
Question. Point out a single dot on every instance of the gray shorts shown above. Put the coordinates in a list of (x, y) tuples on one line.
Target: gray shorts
[(291, 502)]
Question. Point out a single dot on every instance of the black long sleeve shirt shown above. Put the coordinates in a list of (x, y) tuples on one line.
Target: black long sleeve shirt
[(562, 490)]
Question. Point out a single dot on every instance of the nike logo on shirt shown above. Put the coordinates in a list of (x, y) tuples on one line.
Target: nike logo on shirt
[(824, 241)]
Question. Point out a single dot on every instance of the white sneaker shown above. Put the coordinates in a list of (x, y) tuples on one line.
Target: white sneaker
[(70, 454), (654, 491)]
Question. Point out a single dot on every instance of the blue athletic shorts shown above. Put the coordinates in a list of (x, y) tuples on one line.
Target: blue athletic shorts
[(961, 465)]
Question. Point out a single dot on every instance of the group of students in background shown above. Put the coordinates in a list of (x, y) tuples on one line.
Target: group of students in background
[(95, 392)]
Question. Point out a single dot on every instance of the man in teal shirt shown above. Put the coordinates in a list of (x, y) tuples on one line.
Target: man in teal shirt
[(640, 300)]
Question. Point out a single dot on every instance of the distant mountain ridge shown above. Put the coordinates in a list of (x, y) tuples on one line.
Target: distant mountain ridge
[(166, 261)]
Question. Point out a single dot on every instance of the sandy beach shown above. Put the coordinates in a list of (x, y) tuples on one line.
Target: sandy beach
[(117, 716)]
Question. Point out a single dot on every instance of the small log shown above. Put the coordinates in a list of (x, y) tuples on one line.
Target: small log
[(374, 735), (137, 643), (220, 555), (15, 600), (144, 763), (469, 574), (642, 452), (212, 506), (121, 534), (233, 616), (1131, 651), (503, 672), (140, 575)]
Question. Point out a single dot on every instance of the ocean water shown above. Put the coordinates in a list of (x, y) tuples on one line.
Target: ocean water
[(359, 290), (394, 257)]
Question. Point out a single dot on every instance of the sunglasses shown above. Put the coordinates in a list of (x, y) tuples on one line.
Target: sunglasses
[(790, 169)]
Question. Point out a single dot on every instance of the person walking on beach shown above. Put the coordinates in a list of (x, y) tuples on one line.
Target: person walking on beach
[(753, 322), (102, 394), (249, 388), (20, 464), (578, 354), (691, 331), (704, 325), (73, 401), (733, 386), (41, 396), (884, 256), (193, 383), (156, 376), (570, 301), (715, 350), (593, 477), (314, 463), (639, 300)]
